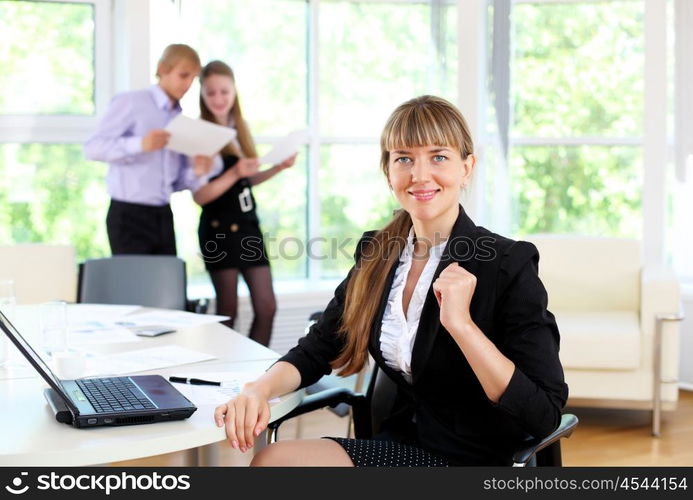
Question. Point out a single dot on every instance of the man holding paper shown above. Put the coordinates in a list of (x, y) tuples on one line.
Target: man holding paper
[(143, 171), (229, 232)]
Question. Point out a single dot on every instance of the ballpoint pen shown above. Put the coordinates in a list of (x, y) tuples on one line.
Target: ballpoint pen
[(193, 381)]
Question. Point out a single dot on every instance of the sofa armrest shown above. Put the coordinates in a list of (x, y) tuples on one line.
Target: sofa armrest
[(661, 299), (660, 293)]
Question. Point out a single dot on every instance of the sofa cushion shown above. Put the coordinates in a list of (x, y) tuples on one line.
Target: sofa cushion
[(589, 274), (599, 340)]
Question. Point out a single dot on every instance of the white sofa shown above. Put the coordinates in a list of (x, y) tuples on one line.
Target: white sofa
[(607, 307), (40, 272)]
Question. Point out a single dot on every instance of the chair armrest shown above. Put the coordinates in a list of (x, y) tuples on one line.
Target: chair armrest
[(198, 306), (533, 446), (328, 397)]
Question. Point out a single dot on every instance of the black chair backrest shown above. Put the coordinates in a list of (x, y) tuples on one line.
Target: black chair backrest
[(380, 398), (370, 410), (145, 280), (381, 394)]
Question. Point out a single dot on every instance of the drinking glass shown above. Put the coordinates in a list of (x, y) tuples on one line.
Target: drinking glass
[(54, 326)]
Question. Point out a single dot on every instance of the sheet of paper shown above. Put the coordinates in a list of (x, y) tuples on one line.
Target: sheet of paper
[(197, 137), (98, 332), (87, 324), (80, 313), (143, 359), (97, 324), (173, 319), (286, 147), (231, 385)]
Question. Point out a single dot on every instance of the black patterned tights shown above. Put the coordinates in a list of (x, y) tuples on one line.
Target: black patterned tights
[(259, 281)]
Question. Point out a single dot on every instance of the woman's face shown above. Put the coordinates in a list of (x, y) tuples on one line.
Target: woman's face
[(219, 94), (427, 179)]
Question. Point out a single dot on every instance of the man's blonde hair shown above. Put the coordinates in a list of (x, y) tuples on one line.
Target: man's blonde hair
[(175, 53)]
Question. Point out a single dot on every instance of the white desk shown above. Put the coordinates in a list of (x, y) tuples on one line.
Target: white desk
[(212, 338), (32, 437)]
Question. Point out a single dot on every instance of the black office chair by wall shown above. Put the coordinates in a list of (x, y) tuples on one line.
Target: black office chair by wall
[(368, 410), (146, 280)]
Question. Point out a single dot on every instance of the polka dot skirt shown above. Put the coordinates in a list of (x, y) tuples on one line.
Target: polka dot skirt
[(376, 453)]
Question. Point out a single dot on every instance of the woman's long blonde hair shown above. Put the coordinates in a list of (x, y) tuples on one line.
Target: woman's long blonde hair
[(245, 140), (422, 121)]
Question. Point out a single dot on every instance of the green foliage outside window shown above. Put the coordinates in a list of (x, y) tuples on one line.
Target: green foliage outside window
[(582, 190), (577, 71), (374, 56), (264, 42), (49, 193), (354, 197), (46, 56)]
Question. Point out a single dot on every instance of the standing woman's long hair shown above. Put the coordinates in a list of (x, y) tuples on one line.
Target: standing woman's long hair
[(245, 140), (423, 121)]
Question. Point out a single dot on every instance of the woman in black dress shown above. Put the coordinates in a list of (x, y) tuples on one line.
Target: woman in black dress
[(230, 238), (455, 315)]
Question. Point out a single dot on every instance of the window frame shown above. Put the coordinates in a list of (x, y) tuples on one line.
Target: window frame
[(67, 129), (653, 142), (471, 61), (317, 140)]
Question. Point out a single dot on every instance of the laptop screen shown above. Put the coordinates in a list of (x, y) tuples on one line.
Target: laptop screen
[(33, 358)]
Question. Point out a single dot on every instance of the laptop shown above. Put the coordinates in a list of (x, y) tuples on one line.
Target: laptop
[(93, 402)]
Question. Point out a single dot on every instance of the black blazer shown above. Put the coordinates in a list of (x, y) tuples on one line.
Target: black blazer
[(452, 415)]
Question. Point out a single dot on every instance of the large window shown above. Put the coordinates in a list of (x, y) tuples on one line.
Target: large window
[(51, 93), (574, 121), (337, 68), (265, 43), (372, 57), (49, 193), (576, 117), (376, 55), (47, 58)]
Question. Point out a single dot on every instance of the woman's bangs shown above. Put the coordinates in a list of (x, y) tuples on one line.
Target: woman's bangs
[(419, 127)]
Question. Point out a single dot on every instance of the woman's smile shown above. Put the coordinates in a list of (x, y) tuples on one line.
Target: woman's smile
[(423, 195)]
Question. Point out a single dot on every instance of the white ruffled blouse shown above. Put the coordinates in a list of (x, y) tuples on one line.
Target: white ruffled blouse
[(398, 331)]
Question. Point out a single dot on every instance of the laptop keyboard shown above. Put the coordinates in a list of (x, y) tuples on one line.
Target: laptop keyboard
[(114, 394)]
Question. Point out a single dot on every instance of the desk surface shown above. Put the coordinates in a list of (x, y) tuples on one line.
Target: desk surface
[(32, 437), (211, 338)]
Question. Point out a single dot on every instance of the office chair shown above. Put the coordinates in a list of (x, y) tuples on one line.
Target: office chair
[(368, 410), (353, 382), (145, 280)]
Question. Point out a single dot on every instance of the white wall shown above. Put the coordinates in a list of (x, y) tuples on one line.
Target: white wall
[(686, 359)]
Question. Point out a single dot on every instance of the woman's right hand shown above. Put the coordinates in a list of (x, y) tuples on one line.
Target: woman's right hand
[(247, 167), (245, 417)]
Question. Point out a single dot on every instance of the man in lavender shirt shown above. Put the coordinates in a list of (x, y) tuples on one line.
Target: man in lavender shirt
[(142, 174)]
